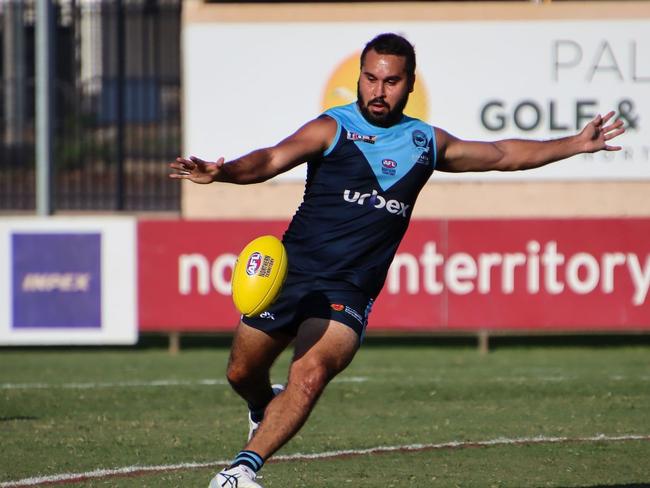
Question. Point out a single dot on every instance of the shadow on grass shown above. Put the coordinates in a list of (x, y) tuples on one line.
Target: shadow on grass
[(378, 339), (631, 485), (17, 417), (498, 340)]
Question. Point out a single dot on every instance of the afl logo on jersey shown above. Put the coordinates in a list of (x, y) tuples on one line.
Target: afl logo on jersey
[(388, 167), (419, 138), (253, 264)]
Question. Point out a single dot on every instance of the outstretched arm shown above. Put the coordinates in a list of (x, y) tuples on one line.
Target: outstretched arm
[(457, 155), (307, 142)]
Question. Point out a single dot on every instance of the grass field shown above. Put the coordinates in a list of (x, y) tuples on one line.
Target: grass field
[(78, 411)]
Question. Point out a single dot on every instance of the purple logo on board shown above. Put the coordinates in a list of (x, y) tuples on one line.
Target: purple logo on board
[(56, 280)]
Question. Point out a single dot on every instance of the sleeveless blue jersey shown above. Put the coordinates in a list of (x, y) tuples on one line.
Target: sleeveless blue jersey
[(358, 200)]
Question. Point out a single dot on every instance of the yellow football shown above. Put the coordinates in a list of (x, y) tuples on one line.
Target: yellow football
[(259, 274)]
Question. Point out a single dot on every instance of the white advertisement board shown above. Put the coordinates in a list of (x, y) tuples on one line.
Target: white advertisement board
[(249, 85), (68, 281)]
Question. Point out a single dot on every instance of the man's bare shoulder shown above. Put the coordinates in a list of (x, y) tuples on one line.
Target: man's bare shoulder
[(442, 137), (319, 131), (325, 123)]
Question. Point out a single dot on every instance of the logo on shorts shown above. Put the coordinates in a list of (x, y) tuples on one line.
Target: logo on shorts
[(353, 313), (253, 264), (348, 310), (388, 167), (267, 315)]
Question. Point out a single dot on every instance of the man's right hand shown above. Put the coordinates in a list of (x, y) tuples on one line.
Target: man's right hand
[(196, 170)]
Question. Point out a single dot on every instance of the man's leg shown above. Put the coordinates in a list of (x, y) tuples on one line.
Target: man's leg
[(323, 348), (251, 357)]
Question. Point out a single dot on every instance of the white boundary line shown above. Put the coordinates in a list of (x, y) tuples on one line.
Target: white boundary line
[(221, 382), (141, 470), (118, 384), (131, 384)]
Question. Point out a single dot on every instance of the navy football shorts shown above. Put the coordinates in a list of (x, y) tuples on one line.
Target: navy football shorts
[(298, 301)]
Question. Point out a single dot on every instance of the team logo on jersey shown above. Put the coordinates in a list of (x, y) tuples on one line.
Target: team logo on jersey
[(419, 138), (354, 136), (375, 200), (388, 167)]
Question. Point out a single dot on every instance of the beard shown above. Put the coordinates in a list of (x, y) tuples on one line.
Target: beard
[(386, 119)]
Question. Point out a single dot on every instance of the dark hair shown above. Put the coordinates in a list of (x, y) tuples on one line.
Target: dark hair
[(390, 43)]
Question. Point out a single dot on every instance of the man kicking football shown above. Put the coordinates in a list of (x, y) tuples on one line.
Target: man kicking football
[(367, 163)]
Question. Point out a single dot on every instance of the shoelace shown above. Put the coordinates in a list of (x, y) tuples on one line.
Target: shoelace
[(230, 479)]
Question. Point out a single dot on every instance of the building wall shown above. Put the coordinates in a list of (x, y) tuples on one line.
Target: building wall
[(457, 198)]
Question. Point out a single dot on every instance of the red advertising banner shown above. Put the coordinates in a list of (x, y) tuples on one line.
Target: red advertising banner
[(185, 269), (541, 274)]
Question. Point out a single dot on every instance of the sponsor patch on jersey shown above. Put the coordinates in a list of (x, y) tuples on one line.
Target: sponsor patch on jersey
[(419, 138), (388, 167), (254, 263), (354, 136), (376, 200), (424, 158)]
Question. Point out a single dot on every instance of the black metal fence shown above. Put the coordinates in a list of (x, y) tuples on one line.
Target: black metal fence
[(117, 104)]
